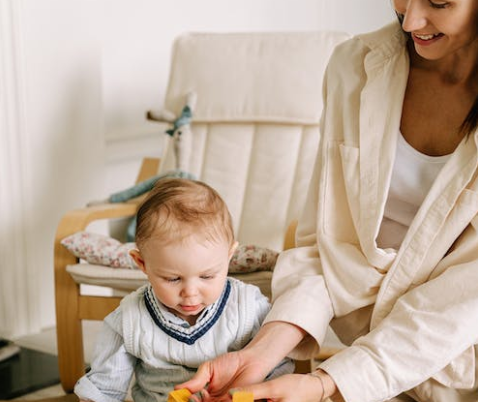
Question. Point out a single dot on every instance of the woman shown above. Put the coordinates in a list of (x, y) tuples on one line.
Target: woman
[(387, 247)]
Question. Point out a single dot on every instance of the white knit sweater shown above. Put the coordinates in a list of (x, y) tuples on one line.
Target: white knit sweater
[(143, 338)]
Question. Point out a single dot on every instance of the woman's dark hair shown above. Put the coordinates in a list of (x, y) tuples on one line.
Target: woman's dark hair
[(470, 124)]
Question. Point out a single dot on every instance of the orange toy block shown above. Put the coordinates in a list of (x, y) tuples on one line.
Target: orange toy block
[(242, 396), (179, 395)]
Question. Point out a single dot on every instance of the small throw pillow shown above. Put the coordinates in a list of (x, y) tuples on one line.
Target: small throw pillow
[(249, 258), (99, 249)]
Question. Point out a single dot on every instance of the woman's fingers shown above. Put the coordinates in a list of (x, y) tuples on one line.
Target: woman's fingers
[(262, 391), (199, 381), (287, 388)]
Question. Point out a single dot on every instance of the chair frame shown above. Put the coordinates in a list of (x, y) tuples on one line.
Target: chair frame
[(71, 306)]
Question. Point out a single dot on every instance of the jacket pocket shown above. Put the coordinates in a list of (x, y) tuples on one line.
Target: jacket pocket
[(340, 198)]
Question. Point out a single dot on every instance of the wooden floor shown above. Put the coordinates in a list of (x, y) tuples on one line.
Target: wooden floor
[(48, 398), (54, 393)]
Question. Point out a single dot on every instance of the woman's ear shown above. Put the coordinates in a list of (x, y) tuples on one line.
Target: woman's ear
[(232, 249), (138, 259)]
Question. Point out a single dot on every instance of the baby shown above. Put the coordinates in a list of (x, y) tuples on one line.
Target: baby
[(189, 312)]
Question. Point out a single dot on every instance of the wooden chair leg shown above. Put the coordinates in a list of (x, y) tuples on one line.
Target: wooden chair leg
[(71, 363)]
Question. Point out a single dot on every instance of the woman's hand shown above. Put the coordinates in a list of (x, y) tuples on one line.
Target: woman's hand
[(295, 387), (233, 369), (288, 388), (249, 365)]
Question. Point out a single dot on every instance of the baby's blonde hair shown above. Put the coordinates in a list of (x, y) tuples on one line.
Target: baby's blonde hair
[(176, 208)]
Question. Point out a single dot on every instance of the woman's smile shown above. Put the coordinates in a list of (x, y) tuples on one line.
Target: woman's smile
[(426, 39)]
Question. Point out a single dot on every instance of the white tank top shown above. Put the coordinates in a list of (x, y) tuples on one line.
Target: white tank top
[(412, 177)]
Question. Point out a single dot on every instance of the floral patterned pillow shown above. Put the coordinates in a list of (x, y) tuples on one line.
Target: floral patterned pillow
[(249, 258), (99, 249)]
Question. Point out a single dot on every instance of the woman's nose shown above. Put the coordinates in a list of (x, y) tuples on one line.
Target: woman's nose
[(414, 15)]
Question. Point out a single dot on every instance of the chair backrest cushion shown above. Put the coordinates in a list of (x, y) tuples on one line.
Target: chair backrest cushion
[(255, 124)]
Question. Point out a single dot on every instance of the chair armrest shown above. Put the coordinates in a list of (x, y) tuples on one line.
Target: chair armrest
[(78, 219), (149, 168)]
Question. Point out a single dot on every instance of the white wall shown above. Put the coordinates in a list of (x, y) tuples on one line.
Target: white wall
[(85, 72), (51, 60), (355, 16)]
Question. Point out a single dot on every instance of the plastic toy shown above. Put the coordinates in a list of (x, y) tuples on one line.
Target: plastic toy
[(242, 396), (179, 395)]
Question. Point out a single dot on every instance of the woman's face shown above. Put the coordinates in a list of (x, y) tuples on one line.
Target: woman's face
[(440, 28)]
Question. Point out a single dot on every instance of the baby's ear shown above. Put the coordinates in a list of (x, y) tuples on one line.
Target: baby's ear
[(232, 249), (138, 258)]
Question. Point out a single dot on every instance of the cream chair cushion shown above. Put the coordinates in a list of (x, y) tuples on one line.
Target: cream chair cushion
[(255, 130), (127, 280), (259, 101)]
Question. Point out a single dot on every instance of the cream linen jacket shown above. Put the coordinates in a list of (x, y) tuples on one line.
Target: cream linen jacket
[(410, 316)]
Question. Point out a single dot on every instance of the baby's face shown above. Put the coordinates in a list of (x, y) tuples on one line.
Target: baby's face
[(187, 275)]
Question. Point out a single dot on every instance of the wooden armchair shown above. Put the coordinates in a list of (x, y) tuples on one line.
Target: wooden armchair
[(72, 307), (255, 135)]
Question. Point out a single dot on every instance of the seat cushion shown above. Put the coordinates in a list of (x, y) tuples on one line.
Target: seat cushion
[(100, 275), (125, 279)]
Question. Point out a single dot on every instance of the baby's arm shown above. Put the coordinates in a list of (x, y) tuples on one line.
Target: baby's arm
[(112, 367)]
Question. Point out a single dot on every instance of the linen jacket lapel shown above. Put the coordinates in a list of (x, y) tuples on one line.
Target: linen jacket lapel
[(379, 124), (451, 204), (440, 220), (438, 223)]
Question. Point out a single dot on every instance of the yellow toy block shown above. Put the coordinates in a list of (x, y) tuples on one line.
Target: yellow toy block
[(179, 395), (242, 396)]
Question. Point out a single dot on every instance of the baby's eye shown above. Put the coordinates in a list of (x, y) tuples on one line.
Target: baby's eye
[(173, 280), (439, 4), (207, 276)]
